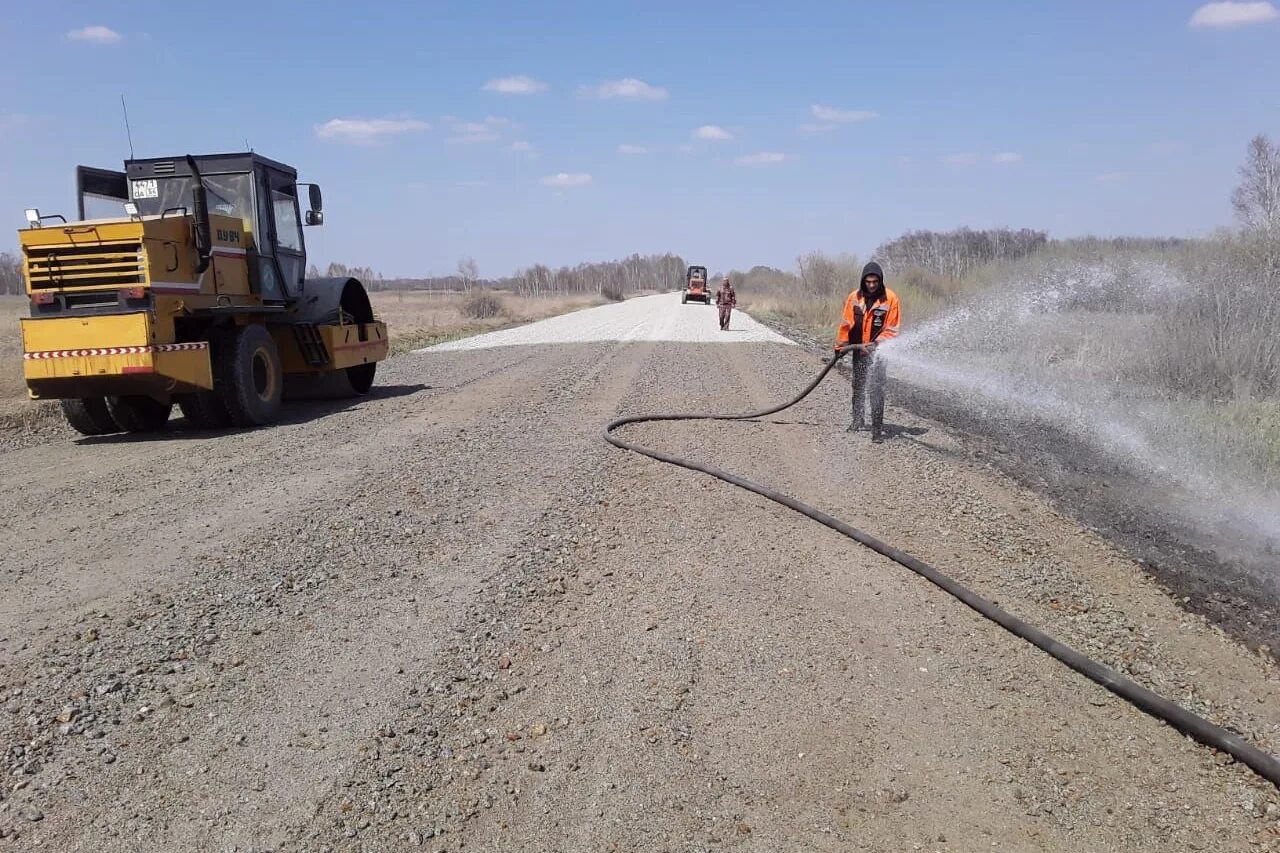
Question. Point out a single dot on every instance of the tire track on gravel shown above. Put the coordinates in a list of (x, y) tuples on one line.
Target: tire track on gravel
[(426, 748), (151, 498), (237, 593)]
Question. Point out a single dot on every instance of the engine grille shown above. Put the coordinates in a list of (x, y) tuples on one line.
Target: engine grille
[(104, 265)]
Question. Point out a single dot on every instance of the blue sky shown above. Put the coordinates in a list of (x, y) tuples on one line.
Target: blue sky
[(840, 124)]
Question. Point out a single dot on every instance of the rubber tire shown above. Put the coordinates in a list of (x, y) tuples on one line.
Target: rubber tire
[(89, 416), (250, 399), (139, 413), (361, 377), (204, 410)]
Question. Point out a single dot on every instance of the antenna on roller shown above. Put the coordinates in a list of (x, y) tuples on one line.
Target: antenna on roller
[(128, 132)]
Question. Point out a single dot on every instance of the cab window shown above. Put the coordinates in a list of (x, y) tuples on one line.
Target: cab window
[(284, 205)]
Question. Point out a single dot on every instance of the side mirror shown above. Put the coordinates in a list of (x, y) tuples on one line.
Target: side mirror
[(314, 217), (317, 203)]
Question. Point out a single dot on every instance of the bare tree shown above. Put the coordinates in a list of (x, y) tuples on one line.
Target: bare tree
[(827, 277), (10, 274), (1257, 199), (469, 272), (818, 274)]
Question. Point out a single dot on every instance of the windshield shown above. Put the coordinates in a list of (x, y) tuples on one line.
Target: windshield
[(103, 207), (229, 195)]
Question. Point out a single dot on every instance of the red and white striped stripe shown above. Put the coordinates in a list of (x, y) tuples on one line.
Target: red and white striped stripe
[(139, 350)]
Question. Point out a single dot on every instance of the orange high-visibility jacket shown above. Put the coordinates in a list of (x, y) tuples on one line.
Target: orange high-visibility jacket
[(862, 325)]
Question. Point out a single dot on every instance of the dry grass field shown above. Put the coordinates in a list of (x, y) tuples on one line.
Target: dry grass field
[(422, 318)]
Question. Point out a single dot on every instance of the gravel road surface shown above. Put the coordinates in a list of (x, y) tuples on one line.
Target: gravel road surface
[(646, 318), (450, 617)]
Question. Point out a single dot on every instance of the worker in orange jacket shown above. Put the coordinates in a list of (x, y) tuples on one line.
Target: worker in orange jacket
[(871, 316)]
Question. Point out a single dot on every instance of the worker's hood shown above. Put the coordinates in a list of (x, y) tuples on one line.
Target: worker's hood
[(872, 268)]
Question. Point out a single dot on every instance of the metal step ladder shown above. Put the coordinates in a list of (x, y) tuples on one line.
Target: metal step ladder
[(311, 344)]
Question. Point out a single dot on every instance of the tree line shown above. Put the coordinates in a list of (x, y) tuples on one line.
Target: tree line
[(955, 253), (608, 278)]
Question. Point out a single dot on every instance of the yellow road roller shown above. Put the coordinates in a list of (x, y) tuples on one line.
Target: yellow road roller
[(183, 280)]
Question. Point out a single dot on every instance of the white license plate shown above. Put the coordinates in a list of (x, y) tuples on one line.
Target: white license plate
[(146, 189)]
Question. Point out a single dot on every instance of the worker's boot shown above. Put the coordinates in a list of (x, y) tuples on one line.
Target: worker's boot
[(877, 433)]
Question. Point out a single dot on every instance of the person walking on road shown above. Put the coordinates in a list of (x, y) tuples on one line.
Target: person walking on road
[(871, 316), (726, 298)]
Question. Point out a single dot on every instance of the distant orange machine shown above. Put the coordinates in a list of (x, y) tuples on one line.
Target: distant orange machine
[(695, 287)]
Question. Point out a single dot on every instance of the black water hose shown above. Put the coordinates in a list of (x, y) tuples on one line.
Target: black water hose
[(1265, 765)]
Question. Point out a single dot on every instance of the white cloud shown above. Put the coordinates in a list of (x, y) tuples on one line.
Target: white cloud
[(811, 129), (566, 180), (367, 131), (628, 89), (1005, 157), (528, 149), (764, 158), (960, 159), (464, 132), (830, 117), (96, 34), (1226, 15), (479, 137), (836, 115), (712, 133), (518, 85), (632, 149)]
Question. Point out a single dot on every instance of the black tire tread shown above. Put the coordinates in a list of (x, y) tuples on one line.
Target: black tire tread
[(204, 410), (361, 377), (138, 412), (235, 377), (89, 416)]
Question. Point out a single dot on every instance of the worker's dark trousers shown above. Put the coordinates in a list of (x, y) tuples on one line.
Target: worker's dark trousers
[(725, 311), (869, 370)]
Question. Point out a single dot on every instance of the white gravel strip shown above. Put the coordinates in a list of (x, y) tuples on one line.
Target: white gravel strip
[(645, 318)]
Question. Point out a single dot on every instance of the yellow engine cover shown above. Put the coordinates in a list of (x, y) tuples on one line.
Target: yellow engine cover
[(109, 353)]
